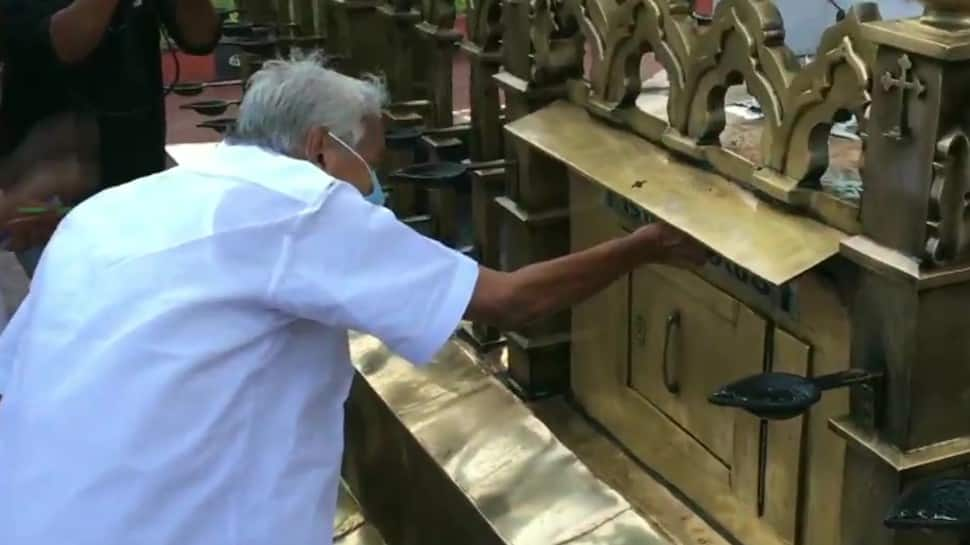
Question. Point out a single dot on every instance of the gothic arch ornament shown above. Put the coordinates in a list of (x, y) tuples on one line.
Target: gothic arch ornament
[(948, 237), (836, 81), (557, 42), (745, 44)]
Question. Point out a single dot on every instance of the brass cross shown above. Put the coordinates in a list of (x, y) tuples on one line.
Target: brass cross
[(905, 84)]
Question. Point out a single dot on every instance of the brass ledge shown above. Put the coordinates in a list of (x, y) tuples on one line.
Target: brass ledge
[(546, 217), (888, 262), (765, 239), (448, 36), (928, 40), (475, 53), (919, 462), (514, 84), (402, 17)]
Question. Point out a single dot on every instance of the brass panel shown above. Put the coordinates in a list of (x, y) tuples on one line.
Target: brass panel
[(469, 463), (618, 469), (773, 244), (599, 375), (941, 388), (784, 444), (951, 44), (686, 343), (349, 526)]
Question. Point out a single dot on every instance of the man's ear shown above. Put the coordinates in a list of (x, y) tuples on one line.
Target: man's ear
[(318, 142)]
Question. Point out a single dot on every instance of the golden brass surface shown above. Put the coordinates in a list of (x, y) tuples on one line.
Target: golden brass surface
[(669, 308), (773, 244), (767, 499), (350, 527), (471, 447)]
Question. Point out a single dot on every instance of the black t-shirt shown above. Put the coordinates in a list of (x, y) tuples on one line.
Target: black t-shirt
[(120, 82)]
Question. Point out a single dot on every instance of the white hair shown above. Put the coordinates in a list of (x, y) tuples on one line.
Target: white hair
[(286, 99)]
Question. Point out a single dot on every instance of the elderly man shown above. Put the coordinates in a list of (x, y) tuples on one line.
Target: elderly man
[(177, 373)]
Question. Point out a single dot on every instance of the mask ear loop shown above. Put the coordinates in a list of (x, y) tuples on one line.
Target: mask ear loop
[(349, 148), (354, 152)]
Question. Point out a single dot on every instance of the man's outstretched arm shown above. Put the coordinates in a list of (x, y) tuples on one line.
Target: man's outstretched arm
[(510, 300)]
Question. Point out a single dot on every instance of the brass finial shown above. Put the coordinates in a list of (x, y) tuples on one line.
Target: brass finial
[(949, 14)]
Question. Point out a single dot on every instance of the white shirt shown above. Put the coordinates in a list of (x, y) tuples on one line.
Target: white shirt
[(177, 373)]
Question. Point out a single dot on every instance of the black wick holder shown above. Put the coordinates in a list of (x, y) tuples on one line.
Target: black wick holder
[(188, 89), (221, 125), (934, 506), (780, 396), (210, 107), (434, 175)]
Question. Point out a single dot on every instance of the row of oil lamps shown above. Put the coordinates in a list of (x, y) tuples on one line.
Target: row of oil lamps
[(262, 41)]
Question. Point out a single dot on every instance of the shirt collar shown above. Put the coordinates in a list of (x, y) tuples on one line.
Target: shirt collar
[(258, 165), (250, 162)]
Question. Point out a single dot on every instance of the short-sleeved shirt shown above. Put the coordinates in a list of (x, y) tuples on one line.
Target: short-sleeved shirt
[(178, 371), (120, 82)]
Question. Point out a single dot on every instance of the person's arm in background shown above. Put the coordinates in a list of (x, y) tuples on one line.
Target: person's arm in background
[(59, 31), (76, 30), (193, 24)]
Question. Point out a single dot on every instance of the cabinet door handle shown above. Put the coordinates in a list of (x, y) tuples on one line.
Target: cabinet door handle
[(670, 375)]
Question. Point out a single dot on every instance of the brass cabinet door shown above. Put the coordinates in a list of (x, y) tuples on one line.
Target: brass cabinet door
[(784, 445), (687, 339)]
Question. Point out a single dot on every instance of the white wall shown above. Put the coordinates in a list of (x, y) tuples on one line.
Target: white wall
[(806, 19)]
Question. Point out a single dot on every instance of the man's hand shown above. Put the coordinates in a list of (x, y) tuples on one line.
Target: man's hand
[(670, 246)]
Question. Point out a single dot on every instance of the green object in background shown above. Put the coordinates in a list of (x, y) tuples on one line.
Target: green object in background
[(224, 5), (43, 209)]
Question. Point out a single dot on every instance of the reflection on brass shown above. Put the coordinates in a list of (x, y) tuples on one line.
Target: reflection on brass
[(349, 526), (491, 472)]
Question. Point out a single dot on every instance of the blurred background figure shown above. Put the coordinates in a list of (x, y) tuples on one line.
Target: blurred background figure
[(100, 62), (56, 163)]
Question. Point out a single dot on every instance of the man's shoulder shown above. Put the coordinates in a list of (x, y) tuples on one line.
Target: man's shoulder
[(265, 171)]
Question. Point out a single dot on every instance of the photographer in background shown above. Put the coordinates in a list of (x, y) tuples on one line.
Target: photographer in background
[(100, 58)]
